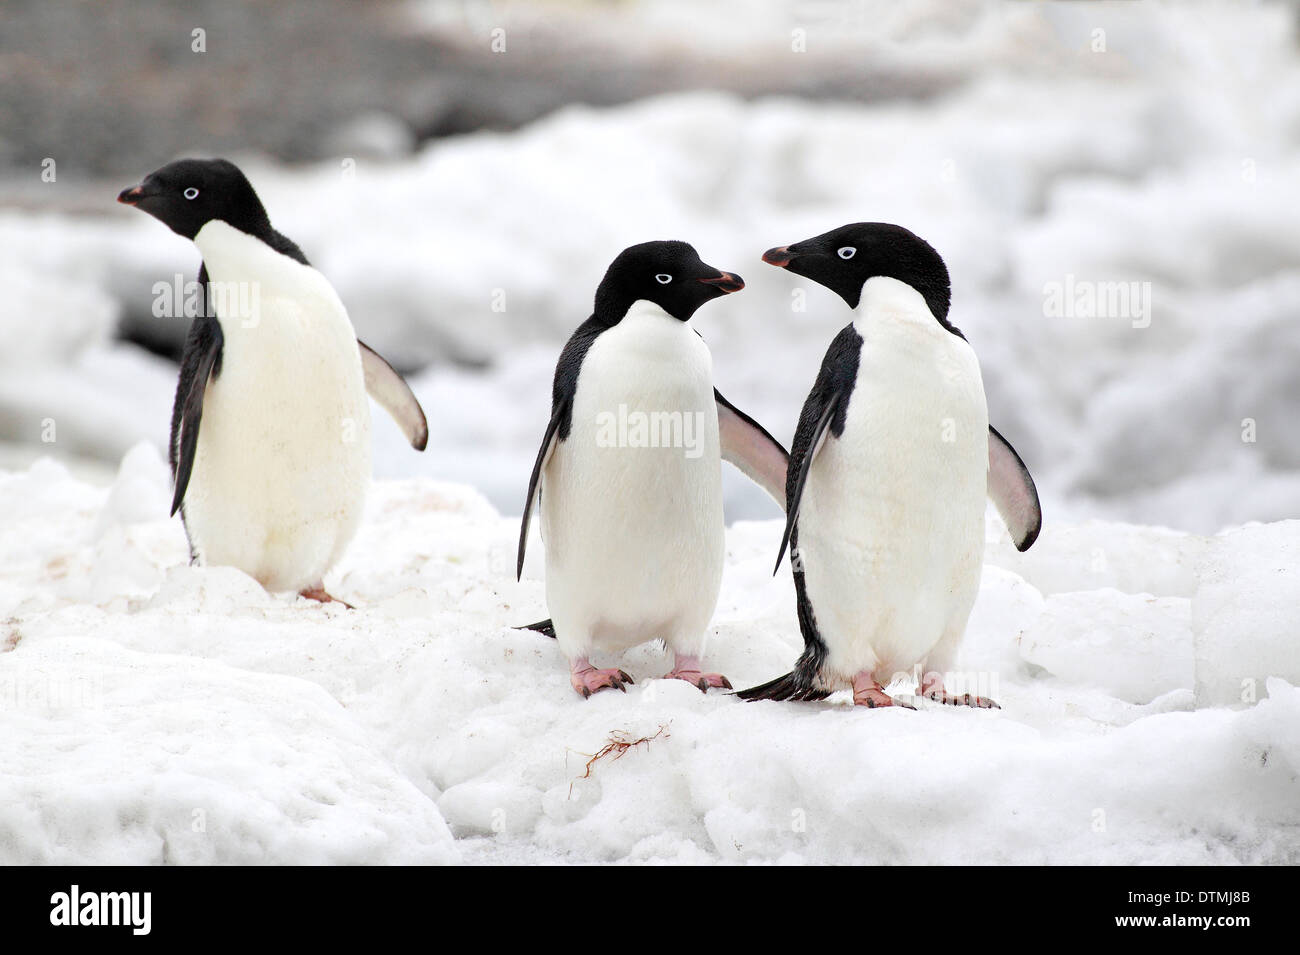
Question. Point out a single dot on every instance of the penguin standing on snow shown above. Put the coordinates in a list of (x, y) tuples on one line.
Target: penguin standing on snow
[(270, 435), (891, 463), (628, 475)]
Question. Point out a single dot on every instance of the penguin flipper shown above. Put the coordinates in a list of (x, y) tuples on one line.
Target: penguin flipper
[(748, 445), (200, 362), (825, 408), (1013, 492), (383, 383), (191, 415), (545, 627), (394, 395), (560, 413), (795, 491)]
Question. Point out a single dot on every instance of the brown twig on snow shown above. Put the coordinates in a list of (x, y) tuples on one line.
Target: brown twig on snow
[(618, 744)]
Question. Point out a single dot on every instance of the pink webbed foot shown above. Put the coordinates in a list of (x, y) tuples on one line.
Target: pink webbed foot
[(319, 593), (933, 690), (688, 669), (587, 679), (868, 692)]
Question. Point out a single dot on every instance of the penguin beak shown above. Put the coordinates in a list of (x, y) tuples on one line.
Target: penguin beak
[(133, 195), (726, 281), (780, 256)]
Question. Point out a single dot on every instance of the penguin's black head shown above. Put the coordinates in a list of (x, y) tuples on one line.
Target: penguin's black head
[(670, 274), (844, 258), (187, 194)]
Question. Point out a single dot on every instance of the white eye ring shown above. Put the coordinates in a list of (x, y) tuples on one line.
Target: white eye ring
[(663, 278), (191, 193), (847, 252)]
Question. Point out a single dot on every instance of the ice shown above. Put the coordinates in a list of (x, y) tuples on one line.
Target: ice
[(1246, 612), (1144, 650), (1095, 554), (141, 696), (1135, 646), (114, 756)]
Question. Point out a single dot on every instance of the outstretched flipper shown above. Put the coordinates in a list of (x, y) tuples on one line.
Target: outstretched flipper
[(394, 395), (1012, 489), (383, 383), (748, 445)]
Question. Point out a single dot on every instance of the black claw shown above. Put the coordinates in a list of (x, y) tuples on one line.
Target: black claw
[(871, 704), (619, 686), (726, 683), (586, 693), (625, 677)]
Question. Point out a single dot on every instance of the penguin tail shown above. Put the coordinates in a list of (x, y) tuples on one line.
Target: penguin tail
[(795, 685), (544, 627)]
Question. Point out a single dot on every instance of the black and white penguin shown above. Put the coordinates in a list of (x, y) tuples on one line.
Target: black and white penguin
[(270, 435), (892, 460), (628, 475)]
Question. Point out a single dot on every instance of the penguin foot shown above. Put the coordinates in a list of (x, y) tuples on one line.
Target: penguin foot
[(320, 594), (932, 689), (688, 669), (868, 692), (587, 679), (938, 694)]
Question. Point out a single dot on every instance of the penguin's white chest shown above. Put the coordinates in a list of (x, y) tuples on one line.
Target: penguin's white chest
[(891, 523), (283, 456), (631, 500)]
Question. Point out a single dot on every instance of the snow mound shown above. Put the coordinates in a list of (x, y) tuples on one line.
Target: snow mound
[(151, 711), (1247, 612), (119, 757)]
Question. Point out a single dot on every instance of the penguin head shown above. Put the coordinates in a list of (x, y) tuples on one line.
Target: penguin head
[(187, 194), (669, 274), (845, 258)]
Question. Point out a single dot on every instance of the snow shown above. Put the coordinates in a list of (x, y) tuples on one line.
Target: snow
[(1241, 639), (1144, 650), (153, 711)]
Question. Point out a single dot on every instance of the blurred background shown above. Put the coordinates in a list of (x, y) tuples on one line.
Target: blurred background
[(463, 172)]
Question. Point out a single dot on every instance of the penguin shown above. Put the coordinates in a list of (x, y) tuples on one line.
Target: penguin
[(890, 466), (270, 429), (628, 477)]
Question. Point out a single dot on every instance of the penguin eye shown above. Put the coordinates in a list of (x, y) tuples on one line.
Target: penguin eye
[(846, 252), (663, 278), (191, 193)]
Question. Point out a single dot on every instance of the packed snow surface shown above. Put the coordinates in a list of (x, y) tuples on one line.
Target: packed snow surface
[(152, 711)]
